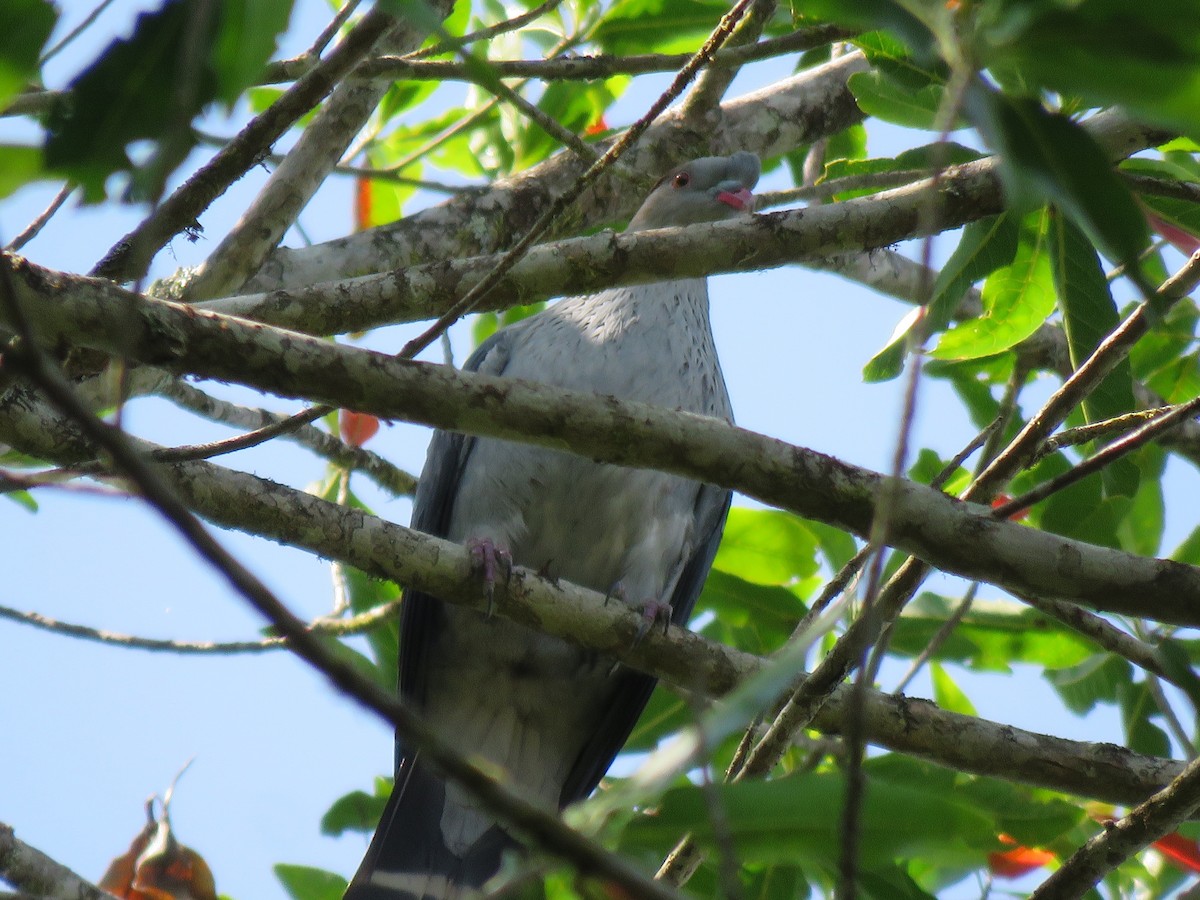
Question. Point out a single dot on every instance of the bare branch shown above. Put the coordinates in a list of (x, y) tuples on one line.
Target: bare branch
[(34, 873), (30, 231), (358, 624), (1158, 816), (130, 257), (966, 193), (242, 251), (354, 459), (769, 122), (385, 550), (959, 537)]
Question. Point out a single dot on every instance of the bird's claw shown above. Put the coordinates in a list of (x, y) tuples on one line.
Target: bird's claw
[(616, 592), (487, 559), (653, 612)]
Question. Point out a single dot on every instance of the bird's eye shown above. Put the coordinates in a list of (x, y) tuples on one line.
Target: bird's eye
[(682, 180)]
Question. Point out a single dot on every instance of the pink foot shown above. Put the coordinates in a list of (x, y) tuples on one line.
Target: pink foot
[(487, 559), (653, 612)]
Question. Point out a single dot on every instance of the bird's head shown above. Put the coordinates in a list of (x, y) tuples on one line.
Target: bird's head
[(704, 190)]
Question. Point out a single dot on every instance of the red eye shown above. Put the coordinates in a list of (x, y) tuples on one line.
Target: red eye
[(683, 179)]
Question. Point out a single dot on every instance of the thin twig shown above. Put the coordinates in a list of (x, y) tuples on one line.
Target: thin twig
[(1118, 448), (824, 190), (1083, 434), (1120, 840), (373, 618), (329, 32), (451, 44), (58, 480), (355, 459), (713, 81), (853, 735), (589, 68), (836, 585), (34, 228), (1163, 187), (75, 32), (936, 642), (541, 118), (1154, 685), (1104, 634)]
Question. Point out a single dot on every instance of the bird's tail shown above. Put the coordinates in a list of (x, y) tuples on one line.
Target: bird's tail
[(409, 859)]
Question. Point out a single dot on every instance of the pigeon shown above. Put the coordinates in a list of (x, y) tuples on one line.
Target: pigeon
[(549, 715)]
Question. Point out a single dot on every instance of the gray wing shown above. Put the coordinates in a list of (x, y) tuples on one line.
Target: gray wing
[(633, 689), (421, 615)]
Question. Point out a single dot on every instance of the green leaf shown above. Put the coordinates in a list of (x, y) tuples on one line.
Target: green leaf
[(1144, 56), (1141, 530), (985, 246), (889, 100), (888, 363), (1189, 550), (18, 167), (25, 26), (837, 546), (246, 38), (947, 694), (796, 819), (889, 17), (657, 26), (1179, 380), (665, 714), (767, 546), (1137, 706), (573, 106), (357, 811), (1098, 679), (22, 498), (1047, 157), (145, 88), (993, 636), (929, 466), (1089, 315), (307, 883), (1160, 351), (918, 159), (757, 618), (1017, 299), (1178, 665)]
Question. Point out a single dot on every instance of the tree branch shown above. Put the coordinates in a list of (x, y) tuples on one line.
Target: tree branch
[(34, 873), (1156, 817), (130, 257), (354, 459), (382, 549), (304, 169), (769, 122), (963, 194), (958, 537), (365, 621)]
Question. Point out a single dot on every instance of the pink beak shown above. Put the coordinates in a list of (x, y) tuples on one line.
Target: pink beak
[(739, 200)]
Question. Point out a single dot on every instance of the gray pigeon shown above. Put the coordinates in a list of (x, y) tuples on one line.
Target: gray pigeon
[(549, 714)]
